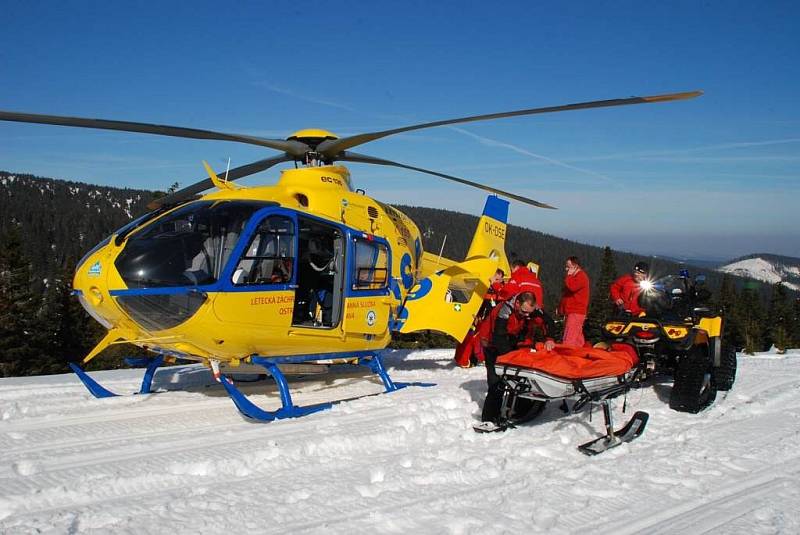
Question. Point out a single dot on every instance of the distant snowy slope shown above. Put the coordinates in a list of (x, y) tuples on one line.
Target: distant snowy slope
[(408, 462), (767, 268)]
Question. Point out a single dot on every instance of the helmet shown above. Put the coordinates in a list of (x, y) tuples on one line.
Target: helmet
[(641, 267)]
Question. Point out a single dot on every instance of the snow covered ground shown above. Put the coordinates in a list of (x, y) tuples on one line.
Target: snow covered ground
[(407, 462)]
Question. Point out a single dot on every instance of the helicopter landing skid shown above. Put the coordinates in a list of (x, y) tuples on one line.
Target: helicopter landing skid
[(98, 391), (289, 410)]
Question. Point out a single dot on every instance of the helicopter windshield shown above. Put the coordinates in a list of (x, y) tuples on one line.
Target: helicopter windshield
[(188, 247)]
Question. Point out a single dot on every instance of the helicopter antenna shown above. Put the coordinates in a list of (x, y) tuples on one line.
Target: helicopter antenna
[(438, 260), (227, 169)]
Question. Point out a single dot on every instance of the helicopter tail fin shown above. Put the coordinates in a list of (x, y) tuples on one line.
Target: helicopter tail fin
[(490, 236), (449, 299)]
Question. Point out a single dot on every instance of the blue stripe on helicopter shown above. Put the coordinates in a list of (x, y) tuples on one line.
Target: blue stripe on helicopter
[(496, 208), (420, 290)]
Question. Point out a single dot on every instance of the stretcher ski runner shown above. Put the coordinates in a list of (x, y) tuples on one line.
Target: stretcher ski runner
[(592, 375)]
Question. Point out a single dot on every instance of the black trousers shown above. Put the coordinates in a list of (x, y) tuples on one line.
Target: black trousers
[(494, 395), (520, 408)]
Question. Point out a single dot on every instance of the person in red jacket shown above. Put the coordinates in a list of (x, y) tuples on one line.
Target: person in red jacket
[(626, 289), (574, 302), (469, 352), (522, 280), (511, 325)]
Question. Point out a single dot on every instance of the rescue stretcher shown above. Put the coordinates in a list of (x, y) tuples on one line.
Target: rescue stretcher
[(590, 375)]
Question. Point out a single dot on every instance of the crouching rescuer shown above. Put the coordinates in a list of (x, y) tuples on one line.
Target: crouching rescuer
[(514, 324)]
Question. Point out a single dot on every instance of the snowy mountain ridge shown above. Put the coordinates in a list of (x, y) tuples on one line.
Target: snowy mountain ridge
[(767, 268)]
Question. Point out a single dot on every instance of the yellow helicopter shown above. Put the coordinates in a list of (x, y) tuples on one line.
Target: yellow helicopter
[(307, 270)]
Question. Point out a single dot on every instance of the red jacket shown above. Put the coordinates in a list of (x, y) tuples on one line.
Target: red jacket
[(575, 295), (503, 330), (627, 289), (522, 280)]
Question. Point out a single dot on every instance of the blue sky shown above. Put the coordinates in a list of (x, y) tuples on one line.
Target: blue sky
[(714, 177)]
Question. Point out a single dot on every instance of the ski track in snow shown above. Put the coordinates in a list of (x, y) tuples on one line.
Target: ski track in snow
[(184, 461)]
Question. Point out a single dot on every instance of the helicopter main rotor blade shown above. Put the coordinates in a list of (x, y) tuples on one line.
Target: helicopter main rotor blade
[(331, 148), (293, 148), (362, 158), (202, 185)]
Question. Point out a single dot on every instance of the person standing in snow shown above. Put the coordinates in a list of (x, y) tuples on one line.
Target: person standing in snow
[(626, 289), (523, 280), (574, 302), (469, 351)]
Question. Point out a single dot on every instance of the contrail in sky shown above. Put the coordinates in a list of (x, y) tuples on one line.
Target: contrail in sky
[(721, 146), (520, 150)]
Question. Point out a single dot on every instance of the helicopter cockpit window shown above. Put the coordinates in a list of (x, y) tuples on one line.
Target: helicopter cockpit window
[(371, 270), (188, 247), (269, 257)]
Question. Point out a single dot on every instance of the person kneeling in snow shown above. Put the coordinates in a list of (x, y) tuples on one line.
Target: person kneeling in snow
[(513, 324)]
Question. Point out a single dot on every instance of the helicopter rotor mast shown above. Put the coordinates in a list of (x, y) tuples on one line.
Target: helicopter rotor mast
[(312, 147)]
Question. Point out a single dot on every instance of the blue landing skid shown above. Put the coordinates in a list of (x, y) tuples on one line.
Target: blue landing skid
[(99, 391), (370, 359)]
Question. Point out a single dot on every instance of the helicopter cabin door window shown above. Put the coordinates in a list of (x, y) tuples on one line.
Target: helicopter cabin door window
[(371, 265), (368, 308), (269, 257), (320, 275)]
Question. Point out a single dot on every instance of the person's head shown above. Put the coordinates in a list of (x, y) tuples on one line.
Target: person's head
[(640, 271), (572, 264), (498, 276), (525, 304), (517, 264)]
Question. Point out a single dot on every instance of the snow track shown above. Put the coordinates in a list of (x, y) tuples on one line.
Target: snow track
[(186, 462)]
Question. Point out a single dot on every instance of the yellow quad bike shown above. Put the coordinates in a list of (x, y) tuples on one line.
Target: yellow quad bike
[(679, 335)]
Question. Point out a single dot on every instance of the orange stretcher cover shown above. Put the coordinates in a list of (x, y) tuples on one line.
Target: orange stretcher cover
[(574, 362)]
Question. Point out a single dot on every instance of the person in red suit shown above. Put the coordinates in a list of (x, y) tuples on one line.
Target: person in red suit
[(523, 280), (513, 324), (469, 351), (626, 289), (574, 302)]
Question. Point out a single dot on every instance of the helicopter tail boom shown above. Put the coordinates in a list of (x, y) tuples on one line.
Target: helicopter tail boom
[(449, 299)]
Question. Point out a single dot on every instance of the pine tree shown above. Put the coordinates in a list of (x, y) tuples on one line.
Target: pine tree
[(600, 307), (779, 319), (19, 328), (796, 323), (70, 332), (750, 315), (726, 302)]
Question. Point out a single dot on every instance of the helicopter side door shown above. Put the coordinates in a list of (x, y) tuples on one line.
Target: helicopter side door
[(367, 295), (258, 284), (320, 275)]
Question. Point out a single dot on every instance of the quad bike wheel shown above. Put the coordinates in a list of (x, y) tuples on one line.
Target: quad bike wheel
[(694, 388), (725, 374)]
